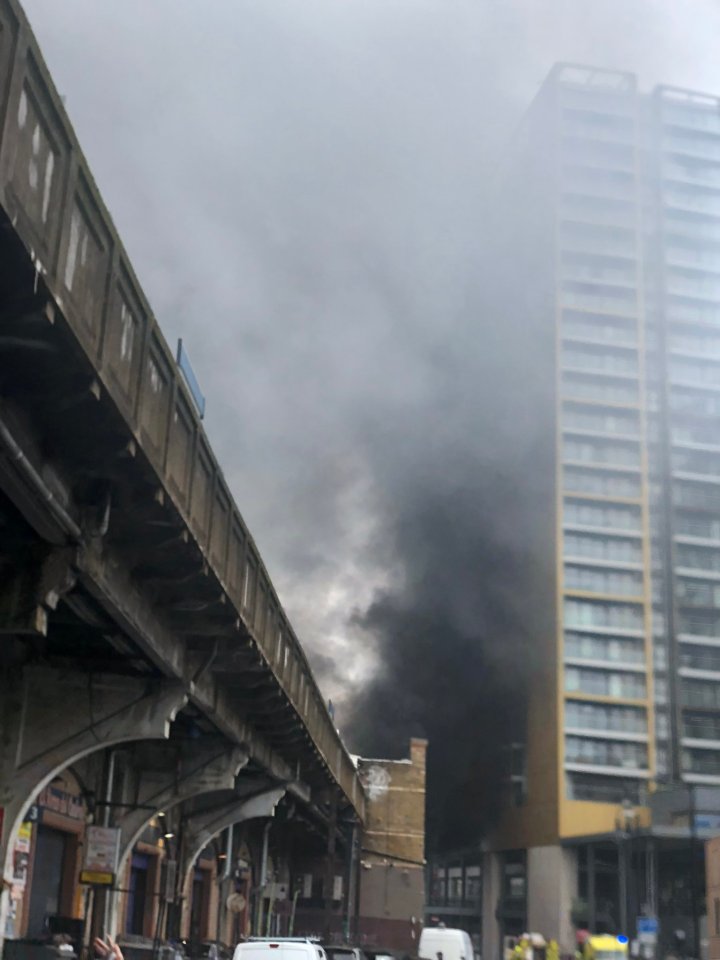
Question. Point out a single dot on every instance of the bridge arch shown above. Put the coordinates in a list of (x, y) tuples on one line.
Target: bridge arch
[(52, 719)]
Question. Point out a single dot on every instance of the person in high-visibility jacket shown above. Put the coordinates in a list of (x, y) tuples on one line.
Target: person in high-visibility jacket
[(522, 949), (552, 951)]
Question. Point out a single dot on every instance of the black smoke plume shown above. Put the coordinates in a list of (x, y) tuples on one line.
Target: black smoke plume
[(299, 188), (454, 636)]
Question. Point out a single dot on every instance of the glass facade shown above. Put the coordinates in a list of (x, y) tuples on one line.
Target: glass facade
[(637, 302), (683, 332), (604, 615)]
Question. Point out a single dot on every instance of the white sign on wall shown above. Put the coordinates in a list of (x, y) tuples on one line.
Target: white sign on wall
[(101, 855)]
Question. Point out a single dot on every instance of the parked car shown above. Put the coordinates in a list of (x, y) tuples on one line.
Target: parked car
[(378, 953), (344, 952), (206, 950), (279, 948)]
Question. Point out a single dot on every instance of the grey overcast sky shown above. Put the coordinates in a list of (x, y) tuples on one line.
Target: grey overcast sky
[(300, 184)]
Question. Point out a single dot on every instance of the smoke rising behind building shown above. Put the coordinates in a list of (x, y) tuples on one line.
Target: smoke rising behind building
[(303, 190)]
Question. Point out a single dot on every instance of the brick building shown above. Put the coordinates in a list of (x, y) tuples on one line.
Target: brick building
[(712, 880), (392, 865)]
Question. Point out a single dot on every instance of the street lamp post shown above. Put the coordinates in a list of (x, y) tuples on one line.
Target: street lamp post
[(626, 825), (694, 893)]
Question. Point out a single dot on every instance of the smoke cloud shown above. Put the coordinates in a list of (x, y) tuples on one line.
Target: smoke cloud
[(303, 190)]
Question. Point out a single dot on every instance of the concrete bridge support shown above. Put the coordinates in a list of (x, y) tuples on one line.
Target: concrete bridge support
[(52, 718), (204, 827), (204, 768)]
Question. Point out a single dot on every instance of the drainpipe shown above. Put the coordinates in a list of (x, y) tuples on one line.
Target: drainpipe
[(101, 896), (263, 880), (352, 876), (222, 880), (228, 854), (263, 863)]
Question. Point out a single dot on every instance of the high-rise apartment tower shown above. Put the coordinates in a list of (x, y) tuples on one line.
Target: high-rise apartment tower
[(609, 232)]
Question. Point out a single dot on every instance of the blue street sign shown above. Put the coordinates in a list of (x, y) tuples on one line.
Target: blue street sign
[(183, 362), (707, 821), (647, 925)]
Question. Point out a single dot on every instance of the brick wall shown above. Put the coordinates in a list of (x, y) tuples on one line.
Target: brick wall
[(712, 879), (392, 885)]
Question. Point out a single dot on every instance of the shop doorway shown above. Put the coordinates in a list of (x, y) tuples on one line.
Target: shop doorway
[(137, 894), (199, 905), (46, 894)]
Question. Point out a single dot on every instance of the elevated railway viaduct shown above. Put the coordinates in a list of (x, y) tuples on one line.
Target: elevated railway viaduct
[(142, 645)]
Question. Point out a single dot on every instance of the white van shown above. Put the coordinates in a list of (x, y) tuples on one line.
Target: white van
[(441, 943), (279, 948)]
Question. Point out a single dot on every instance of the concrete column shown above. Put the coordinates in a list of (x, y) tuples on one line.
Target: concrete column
[(552, 887), (491, 889), (330, 867)]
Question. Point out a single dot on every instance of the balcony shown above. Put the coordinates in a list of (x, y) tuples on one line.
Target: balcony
[(595, 301), (703, 640), (688, 226), (600, 388), (597, 211), (701, 203), (692, 444), (601, 562), (577, 527), (620, 735), (598, 717), (597, 336), (700, 743), (693, 673), (701, 730), (601, 370), (679, 474), (579, 661), (701, 778), (600, 428), (592, 240), (703, 764), (692, 257), (699, 540), (691, 174), (697, 495), (700, 573), (603, 155), (597, 125), (694, 349), (703, 120), (634, 772)]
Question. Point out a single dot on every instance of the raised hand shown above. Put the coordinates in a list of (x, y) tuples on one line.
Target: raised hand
[(108, 950)]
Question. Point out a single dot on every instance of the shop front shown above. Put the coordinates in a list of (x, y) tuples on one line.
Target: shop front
[(46, 897)]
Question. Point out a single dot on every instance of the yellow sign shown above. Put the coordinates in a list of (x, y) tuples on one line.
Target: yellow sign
[(97, 878), (25, 831)]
